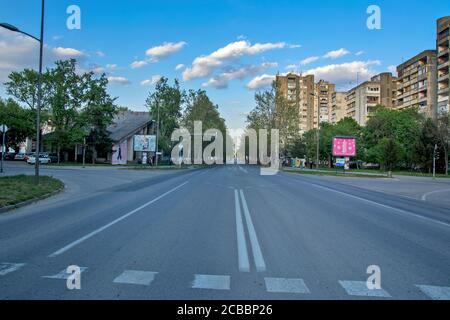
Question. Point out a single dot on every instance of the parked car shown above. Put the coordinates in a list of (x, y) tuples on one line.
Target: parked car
[(8, 156), (20, 156), (53, 157), (26, 156), (43, 159)]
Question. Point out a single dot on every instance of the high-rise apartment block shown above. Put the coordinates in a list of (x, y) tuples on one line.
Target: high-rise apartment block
[(298, 90), (363, 99), (443, 37), (338, 106), (422, 82), (323, 104), (416, 85)]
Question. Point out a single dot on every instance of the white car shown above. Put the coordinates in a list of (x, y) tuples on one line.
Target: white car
[(43, 159)]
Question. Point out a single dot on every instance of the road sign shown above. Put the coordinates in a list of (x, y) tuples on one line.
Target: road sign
[(340, 162), (3, 128), (344, 147)]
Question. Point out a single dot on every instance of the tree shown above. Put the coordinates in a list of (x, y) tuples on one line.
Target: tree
[(273, 111), (65, 96), (200, 108), (20, 122), (401, 126), (97, 115), (443, 135), (168, 99), (388, 152), (23, 86)]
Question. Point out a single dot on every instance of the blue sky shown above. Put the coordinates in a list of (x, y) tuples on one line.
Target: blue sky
[(241, 44)]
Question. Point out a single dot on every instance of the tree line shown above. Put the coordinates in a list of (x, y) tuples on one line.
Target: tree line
[(392, 139), (77, 109)]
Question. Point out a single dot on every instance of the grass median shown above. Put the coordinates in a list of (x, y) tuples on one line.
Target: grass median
[(336, 174), (17, 189)]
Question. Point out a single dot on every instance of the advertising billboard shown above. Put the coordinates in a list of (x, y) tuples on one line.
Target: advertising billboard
[(344, 147), (144, 143)]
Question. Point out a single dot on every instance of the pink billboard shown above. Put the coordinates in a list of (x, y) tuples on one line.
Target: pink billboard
[(344, 147)]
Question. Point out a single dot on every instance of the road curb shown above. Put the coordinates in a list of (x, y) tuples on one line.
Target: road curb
[(28, 202)]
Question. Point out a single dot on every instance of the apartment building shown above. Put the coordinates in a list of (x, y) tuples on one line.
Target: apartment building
[(362, 100), (338, 106), (442, 47), (299, 92), (416, 85), (323, 103), (388, 88)]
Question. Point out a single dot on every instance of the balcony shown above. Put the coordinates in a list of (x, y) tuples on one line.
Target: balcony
[(443, 65)]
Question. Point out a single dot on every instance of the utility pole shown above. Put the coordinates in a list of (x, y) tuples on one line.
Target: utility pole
[(434, 161), (157, 133), (84, 152)]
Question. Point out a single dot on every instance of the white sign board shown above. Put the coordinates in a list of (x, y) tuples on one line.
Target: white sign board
[(340, 162), (3, 128), (144, 143)]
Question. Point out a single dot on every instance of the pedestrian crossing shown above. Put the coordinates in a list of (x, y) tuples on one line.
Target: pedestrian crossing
[(272, 285)]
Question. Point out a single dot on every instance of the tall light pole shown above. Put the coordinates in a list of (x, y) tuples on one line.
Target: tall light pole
[(318, 129), (39, 98), (434, 161), (157, 133)]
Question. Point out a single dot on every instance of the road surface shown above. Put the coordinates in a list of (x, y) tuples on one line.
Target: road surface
[(227, 233)]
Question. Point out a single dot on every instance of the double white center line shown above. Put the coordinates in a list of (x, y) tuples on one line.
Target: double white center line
[(244, 265)]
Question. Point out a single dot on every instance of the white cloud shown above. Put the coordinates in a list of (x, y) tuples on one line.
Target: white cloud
[(65, 53), (100, 54), (294, 46), (309, 60), (18, 52), (179, 66), (292, 67), (260, 82), (139, 64), (204, 66), (359, 53), (345, 73), (336, 53), (393, 70), (151, 81), (57, 38), (221, 81), (119, 80), (165, 49), (111, 67)]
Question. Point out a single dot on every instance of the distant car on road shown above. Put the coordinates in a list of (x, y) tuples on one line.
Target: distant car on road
[(43, 159)]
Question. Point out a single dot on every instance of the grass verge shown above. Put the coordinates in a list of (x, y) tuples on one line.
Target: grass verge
[(334, 174), (17, 189)]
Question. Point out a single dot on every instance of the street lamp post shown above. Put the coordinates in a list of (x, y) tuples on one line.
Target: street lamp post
[(157, 134), (39, 98), (318, 129)]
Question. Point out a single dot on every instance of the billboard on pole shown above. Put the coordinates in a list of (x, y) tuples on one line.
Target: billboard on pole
[(144, 143), (344, 147)]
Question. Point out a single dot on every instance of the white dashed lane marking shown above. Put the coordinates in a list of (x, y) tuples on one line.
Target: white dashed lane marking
[(143, 278), (436, 293), (63, 275), (6, 267), (282, 285), (360, 289), (211, 282)]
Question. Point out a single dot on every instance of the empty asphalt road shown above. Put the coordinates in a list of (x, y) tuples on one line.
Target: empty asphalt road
[(228, 233)]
